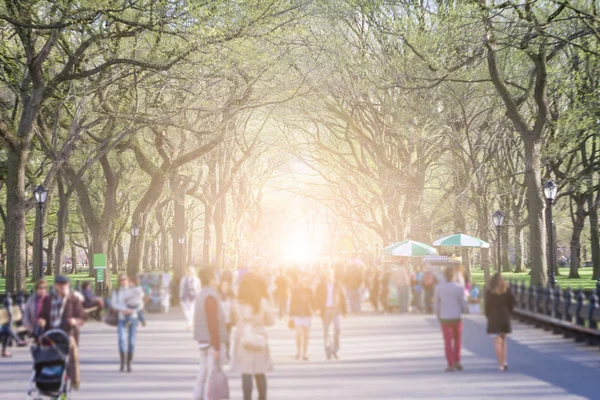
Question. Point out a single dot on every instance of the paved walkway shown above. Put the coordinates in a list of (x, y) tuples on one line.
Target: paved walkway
[(383, 357)]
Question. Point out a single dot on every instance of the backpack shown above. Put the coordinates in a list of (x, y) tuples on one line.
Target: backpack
[(428, 279)]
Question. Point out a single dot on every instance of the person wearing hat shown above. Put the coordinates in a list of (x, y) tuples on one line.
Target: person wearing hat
[(63, 310)]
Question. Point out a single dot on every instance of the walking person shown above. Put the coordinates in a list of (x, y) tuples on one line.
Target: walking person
[(301, 315), (374, 289), (401, 277), (189, 287), (449, 303), (210, 330), (7, 332), (128, 301), (499, 304), (63, 310), (226, 299), (281, 293), (331, 302), (252, 355), (34, 306), (354, 280)]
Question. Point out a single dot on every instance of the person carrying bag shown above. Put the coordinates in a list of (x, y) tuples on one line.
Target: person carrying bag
[(252, 356), (210, 331)]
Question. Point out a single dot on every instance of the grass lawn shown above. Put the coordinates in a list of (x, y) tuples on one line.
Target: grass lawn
[(50, 280), (585, 282)]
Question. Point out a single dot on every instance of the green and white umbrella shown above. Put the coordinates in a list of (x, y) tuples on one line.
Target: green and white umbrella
[(461, 240), (409, 248)]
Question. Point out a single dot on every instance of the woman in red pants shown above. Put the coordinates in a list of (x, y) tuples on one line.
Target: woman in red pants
[(449, 302)]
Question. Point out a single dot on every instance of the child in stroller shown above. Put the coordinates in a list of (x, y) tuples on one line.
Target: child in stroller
[(50, 364)]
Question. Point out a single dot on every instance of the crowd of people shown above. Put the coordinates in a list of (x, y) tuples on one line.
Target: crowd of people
[(229, 313)]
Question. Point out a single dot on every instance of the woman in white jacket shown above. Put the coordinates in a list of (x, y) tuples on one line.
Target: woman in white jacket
[(189, 288), (128, 301)]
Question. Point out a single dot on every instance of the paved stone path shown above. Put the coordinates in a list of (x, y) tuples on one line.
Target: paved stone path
[(383, 357)]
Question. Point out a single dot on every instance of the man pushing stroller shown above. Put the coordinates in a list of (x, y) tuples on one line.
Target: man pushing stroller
[(63, 310)]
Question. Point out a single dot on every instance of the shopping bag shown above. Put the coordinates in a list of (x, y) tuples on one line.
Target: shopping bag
[(218, 387)]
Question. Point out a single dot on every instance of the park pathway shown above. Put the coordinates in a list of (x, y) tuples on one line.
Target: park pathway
[(383, 357)]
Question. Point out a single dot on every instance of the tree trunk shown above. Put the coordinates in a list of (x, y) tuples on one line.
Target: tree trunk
[(140, 216), (519, 249), (505, 249), (153, 256), (121, 257), (535, 208), (73, 259), (593, 200), (16, 210), (219, 234), (3, 257), (62, 224), (178, 231), (578, 225), (208, 213), (50, 257), (146, 258), (114, 260)]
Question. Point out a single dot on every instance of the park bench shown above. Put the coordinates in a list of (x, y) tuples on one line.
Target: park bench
[(560, 311)]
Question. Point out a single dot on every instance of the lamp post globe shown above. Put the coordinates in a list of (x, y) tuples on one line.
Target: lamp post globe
[(550, 190), (498, 218), (41, 194), (135, 230)]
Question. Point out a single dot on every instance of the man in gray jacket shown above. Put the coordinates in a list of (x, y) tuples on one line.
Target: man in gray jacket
[(449, 303), (210, 330)]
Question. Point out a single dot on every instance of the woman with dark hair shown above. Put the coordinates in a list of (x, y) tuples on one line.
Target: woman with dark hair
[(252, 357), (499, 304), (34, 306)]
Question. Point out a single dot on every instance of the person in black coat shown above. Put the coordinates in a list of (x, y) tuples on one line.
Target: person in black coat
[(499, 304)]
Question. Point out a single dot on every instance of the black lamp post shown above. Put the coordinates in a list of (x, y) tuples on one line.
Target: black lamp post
[(41, 194), (498, 219), (550, 192), (135, 232)]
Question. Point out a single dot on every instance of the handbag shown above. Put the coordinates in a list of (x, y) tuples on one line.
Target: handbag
[(291, 324), (253, 339), (112, 317), (218, 386)]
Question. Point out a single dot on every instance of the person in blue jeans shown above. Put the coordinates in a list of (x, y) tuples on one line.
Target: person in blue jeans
[(128, 302)]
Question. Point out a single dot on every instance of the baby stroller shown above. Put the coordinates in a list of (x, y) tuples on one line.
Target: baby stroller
[(50, 363)]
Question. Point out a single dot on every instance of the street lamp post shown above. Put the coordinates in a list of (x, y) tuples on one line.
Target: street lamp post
[(550, 192), (498, 219), (182, 251), (41, 194), (135, 232)]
